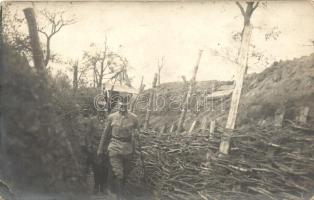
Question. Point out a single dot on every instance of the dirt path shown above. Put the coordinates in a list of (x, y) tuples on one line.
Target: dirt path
[(63, 196), (71, 196)]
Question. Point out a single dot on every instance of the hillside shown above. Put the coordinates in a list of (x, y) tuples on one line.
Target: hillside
[(288, 84)]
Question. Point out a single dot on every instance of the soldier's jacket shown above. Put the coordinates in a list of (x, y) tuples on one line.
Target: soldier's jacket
[(122, 128), (90, 133)]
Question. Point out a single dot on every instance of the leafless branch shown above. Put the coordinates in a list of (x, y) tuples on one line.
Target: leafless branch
[(255, 6), (241, 8), (56, 23)]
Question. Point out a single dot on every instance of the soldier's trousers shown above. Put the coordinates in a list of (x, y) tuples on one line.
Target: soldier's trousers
[(100, 169), (121, 165)]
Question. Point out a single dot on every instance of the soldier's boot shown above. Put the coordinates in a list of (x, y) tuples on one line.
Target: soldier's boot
[(96, 189)]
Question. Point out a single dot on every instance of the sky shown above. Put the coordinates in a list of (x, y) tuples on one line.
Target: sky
[(145, 32)]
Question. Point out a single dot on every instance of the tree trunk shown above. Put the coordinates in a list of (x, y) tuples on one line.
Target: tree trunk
[(48, 51), (37, 52), (150, 103), (243, 56), (102, 70), (188, 95), (75, 77), (139, 93), (158, 81)]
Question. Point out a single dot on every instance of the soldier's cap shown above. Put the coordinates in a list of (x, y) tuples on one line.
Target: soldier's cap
[(123, 102)]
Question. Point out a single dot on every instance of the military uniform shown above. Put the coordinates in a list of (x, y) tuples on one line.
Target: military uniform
[(121, 146), (120, 131), (91, 132)]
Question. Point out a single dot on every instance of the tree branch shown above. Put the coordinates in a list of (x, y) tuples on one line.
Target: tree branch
[(43, 32), (255, 6), (241, 8)]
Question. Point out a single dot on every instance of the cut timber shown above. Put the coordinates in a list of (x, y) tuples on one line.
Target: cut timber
[(279, 117), (242, 59), (37, 52), (188, 95), (304, 114), (150, 103), (192, 126)]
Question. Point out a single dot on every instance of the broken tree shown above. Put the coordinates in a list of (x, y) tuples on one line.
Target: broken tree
[(37, 52), (242, 61), (188, 95), (150, 103)]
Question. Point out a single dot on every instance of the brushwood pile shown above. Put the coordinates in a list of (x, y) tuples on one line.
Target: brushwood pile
[(263, 163)]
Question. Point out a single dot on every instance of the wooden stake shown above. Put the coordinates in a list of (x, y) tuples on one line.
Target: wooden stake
[(188, 95), (243, 56), (212, 127), (163, 129), (279, 116), (192, 126), (150, 103), (204, 125), (172, 127), (304, 114), (37, 52)]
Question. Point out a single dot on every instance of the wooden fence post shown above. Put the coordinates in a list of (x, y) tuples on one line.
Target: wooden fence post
[(163, 129), (279, 116), (37, 52), (172, 128), (150, 103), (212, 127), (304, 114), (192, 126), (204, 125), (242, 59), (188, 95)]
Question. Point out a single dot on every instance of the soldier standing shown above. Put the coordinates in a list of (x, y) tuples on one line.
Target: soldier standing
[(119, 134), (91, 133)]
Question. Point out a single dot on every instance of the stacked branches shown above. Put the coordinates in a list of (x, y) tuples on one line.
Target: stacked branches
[(264, 163)]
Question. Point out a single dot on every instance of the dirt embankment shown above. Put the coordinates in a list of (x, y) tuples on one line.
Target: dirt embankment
[(288, 84)]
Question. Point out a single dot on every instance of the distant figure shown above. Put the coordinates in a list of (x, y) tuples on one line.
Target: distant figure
[(119, 134), (91, 132)]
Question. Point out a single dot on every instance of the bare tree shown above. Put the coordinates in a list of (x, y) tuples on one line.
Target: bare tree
[(104, 62), (188, 94), (56, 22), (34, 40), (52, 23), (160, 66), (247, 13), (258, 58), (242, 61)]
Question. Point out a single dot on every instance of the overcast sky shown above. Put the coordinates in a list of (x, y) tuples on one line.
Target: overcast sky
[(144, 32)]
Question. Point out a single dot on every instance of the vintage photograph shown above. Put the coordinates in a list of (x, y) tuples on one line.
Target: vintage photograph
[(157, 100)]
